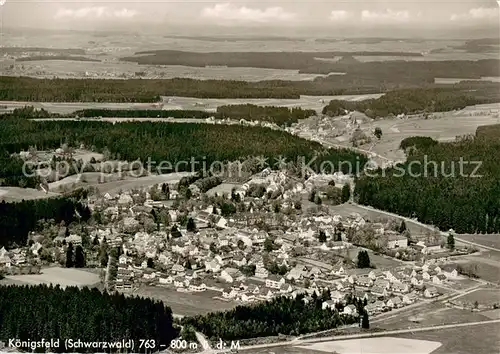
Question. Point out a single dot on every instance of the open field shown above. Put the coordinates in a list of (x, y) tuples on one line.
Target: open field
[(56, 275), (373, 215), (16, 194), (113, 188), (444, 127), (429, 314), (376, 346), (113, 183), (186, 304), (491, 240), (487, 262), (482, 296), (481, 339), (377, 260)]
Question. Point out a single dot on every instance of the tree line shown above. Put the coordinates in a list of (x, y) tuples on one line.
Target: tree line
[(449, 185), (54, 313), (18, 219), (411, 101), (280, 315)]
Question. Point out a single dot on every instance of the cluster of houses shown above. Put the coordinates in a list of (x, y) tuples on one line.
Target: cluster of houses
[(14, 262)]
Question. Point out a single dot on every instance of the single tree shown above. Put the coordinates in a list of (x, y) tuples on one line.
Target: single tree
[(79, 257), (402, 227), (174, 232), (363, 259), (451, 241), (378, 132), (150, 263), (69, 256), (268, 245), (322, 236), (346, 193), (103, 253), (365, 322), (191, 226)]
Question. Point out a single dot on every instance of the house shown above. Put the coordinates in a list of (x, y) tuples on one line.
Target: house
[(439, 279), (338, 271), (394, 302), (379, 292), (246, 297), (296, 273), (350, 310), (165, 280), (179, 282), (409, 298), (5, 261), (450, 272), (431, 292), (274, 281), (229, 293), (197, 285), (286, 288), (268, 294), (239, 260), (261, 272), (230, 275), (253, 289), (396, 241), (336, 296), (122, 260), (375, 274), (399, 287), (382, 283), (364, 281), (417, 280), (329, 304), (372, 309), (178, 269), (212, 266)]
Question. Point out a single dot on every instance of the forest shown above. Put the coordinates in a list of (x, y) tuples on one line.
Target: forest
[(410, 102), (449, 185), (281, 315), (18, 219), (177, 143), (85, 314), (359, 78), (277, 115)]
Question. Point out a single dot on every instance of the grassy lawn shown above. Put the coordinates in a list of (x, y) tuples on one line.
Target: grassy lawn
[(186, 304), (475, 339)]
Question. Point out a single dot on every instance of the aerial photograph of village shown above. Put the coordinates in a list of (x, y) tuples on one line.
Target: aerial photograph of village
[(250, 177)]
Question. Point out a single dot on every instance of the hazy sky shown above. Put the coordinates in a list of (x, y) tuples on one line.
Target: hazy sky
[(292, 13)]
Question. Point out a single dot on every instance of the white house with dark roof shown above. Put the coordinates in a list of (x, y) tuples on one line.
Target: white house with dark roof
[(275, 282)]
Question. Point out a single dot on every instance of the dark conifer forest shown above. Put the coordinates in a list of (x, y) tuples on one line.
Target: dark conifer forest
[(44, 312), (449, 185), (173, 142)]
